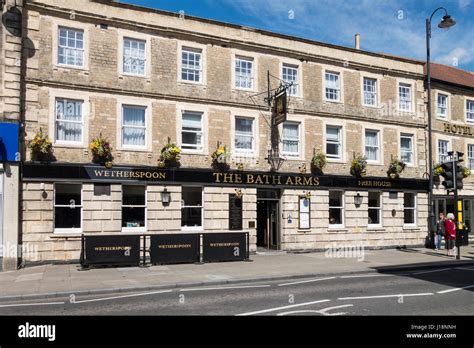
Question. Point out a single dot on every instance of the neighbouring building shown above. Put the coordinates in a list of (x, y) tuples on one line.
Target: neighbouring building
[(10, 118), (453, 130), (140, 76)]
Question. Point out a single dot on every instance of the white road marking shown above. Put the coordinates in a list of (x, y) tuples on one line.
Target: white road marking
[(465, 269), (432, 271), (307, 281), (124, 296), (227, 288), (455, 289), (385, 296), (320, 311), (284, 307), (31, 304), (367, 275)]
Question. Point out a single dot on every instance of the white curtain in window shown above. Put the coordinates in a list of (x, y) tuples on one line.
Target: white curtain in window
[(371, 145), (332, 81), (332, 133), (133, 126), (290, 138), (68, 120), (243, 133)]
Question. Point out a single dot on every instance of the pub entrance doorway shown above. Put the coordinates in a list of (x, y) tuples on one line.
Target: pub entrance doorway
[(268, 219)]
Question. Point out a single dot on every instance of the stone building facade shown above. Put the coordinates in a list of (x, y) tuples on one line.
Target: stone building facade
[(453, 130), (140, 77)]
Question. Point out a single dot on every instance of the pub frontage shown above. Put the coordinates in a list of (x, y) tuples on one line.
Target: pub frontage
[(278, 211)]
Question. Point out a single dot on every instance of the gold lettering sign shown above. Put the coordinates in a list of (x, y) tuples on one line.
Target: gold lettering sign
[(134, 174), (457, 129), (112, 248), (174, 246), (264, 179), (220, 245), (374, 183)]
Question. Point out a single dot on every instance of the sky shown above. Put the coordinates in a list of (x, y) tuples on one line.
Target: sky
[(386, 26)]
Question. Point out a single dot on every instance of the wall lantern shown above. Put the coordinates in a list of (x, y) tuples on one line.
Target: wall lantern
[(358, 199), (165, 197), (238, 193)]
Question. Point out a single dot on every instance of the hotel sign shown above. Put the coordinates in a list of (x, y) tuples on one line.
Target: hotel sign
[(457, 129)]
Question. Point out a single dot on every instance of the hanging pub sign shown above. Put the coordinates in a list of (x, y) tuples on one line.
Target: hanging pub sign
[(111, 250), (174, 248), (224, 247), (280, 109), (235, 212)]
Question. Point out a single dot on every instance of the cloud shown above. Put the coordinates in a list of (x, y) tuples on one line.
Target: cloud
[(394, 27)]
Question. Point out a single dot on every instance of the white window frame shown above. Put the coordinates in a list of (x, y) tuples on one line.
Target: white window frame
[(252, 72), (408, 86), (378, 147), (135, 229), (438, 148), (412, 150), (192, 228), (81, 206), (291, 154), (82, 122), (203, 133), (244, 151), (197, 49), (470, 156), (467, 111), (343, 210), (375, 93), (339, 89), (444, 116), (83, 50), (415, 208), (145, 63), (295, 90), (340, 143), (133, 147), (379, 209)]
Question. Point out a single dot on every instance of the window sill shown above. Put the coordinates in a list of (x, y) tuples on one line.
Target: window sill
[(239, 89), (411, 228), (338, 229), (333, 101), (122, 75), (376, 229), (58, 235), (335, 160), (138, 230), (71, 145), (193, 152), (67, 67), (191, 83), (371, 106)]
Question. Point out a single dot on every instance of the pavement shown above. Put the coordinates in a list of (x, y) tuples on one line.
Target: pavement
[(53, 280)]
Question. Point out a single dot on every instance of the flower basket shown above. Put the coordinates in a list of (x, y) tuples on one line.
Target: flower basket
[(359, 166), (395, 168), (465, 172), (219, 158), (41, 148), (438, 171), (318, 162), (170, 155), (101, 151)]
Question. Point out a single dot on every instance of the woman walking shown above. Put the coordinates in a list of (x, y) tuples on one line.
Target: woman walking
[(450, 233), (439, 231)]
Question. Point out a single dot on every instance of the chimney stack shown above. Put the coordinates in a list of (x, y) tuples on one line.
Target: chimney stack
[(357, 41)]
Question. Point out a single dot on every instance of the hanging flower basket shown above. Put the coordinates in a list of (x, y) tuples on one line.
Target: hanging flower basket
[(395, 168), (101, 151), (219, 158), (170, 155), (359, 166), (465, 172), (318, 162), (41, 148)]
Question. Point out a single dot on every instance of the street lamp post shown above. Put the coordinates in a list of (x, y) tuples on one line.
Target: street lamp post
[(446, 22)]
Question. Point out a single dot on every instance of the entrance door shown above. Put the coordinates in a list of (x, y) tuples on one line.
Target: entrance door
[(268, 222), (1, 214)]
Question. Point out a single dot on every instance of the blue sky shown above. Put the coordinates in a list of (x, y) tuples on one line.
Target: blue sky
[(389, 26)]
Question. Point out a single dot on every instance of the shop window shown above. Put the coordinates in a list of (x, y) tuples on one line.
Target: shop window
[(67, 207), (336, 208), (409, 208), (133, 207), (191, 208), (305, 213), (375, 209)]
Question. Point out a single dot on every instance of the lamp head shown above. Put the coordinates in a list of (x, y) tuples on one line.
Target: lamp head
[(446, 22)]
